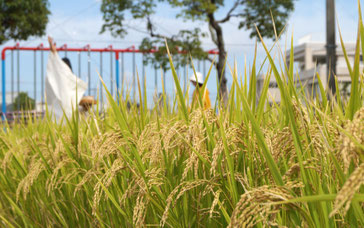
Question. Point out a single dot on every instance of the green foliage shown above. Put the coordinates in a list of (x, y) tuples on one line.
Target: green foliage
[(23, 102), (258, 12), (190, 41), (20, 19), (249, 12)]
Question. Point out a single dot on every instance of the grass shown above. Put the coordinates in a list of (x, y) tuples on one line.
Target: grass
[(297, 163)]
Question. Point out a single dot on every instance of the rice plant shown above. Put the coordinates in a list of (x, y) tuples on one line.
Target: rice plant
[(296, 163)]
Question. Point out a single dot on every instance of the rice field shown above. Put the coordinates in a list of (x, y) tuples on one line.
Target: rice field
[(299, 163)]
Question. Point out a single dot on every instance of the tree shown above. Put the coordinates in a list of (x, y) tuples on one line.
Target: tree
[(20, 19), (249, 12), (23, 102)]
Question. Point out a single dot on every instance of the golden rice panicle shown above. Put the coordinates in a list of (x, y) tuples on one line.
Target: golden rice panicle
[(139, 211), (86, 178), (105, 180), (6, 161), (143, 141), (234, 137), (301, 114), (168, 205), (106, 144), (188, 186), (179, 191), (52, 180), (130, 191), (196, 135), (210, 116), (35, 168), (148, 144), (281, 144), (172, 135), (346, 194), (295, 169), (255, 206), (219, 147), (117, 165), (169, 133), (6, 148), (317, 138), (349, 151), (190, 163), (152, 177), (214, 202)]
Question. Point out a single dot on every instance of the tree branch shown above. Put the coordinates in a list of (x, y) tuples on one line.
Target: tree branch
[(230, 13), (151, 32), (219, 38)]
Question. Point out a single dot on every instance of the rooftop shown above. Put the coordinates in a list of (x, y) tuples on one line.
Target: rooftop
[(318, 50)]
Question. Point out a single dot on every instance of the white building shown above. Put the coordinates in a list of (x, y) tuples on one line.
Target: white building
[(39, 107), (310, 58), (9, 97)]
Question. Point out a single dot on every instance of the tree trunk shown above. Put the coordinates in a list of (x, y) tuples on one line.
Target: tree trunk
[(221, 75), (222, 55)]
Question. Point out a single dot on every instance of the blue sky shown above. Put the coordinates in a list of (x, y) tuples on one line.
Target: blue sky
[(81, 20), (78, 23)]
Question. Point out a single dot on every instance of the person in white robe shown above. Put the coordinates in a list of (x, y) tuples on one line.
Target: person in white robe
[(63, 90)]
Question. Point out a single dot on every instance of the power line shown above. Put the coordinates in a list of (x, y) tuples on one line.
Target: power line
[(74, 15), (135, 42), (137, 29)]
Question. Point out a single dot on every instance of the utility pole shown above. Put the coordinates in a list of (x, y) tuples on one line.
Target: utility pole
[(330, 45)]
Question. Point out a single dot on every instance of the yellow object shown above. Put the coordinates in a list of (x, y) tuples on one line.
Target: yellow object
[(205, 99)]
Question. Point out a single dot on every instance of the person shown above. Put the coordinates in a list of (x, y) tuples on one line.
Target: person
[(64, 90), (197, 81), (66, 61)]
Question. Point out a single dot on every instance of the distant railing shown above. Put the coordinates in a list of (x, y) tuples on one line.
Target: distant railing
[(119, 63)]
